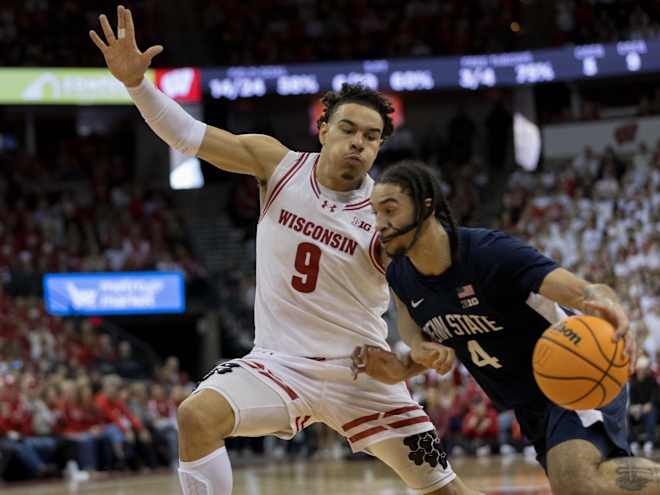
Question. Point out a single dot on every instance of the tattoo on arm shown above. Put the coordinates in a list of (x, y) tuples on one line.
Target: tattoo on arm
[(633, 476)]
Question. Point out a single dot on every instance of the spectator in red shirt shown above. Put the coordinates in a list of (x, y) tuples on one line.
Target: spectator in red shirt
[(480, 425), (82, 425), (125, 430), (30, 456)]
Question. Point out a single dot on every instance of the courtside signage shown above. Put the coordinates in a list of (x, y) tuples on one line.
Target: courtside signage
[(123, 293), (182, 84), (57, 86)]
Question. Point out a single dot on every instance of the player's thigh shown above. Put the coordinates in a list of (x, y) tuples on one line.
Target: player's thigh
[(418, 459), (256, 409)]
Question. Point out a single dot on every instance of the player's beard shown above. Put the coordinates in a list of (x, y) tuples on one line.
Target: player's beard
[(395, 251)]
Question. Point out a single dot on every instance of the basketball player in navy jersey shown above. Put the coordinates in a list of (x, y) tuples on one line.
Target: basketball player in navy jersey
[(485, 297)]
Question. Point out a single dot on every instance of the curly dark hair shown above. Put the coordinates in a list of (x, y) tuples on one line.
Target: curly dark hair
[(362, 95)]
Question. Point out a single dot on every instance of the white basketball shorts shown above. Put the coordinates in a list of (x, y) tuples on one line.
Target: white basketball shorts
[(380, 419)]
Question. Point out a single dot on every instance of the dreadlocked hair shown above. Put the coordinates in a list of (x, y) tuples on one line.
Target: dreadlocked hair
[(362, 95), (421, 183)]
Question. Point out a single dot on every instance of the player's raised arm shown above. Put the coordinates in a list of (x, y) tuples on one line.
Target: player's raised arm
[(252, 154)]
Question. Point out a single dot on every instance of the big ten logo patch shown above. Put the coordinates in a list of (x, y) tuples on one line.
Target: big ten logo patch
[(362, 224), (468, 303), (425, 448)]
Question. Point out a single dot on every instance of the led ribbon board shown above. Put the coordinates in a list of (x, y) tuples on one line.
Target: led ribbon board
[(568, 63)]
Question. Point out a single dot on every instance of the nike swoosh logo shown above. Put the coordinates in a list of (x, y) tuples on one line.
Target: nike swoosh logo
[(414, 304)]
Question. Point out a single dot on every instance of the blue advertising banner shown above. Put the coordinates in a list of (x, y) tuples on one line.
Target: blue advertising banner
[(123, 293)]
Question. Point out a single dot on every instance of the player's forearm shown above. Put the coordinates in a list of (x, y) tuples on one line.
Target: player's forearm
[(410, 333), (412, 368), (600, 292), (572, 291), (167, 119)]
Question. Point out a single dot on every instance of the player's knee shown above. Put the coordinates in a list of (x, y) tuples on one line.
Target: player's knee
[(574, 486), (574, 478), (573, 468), (206, 414)]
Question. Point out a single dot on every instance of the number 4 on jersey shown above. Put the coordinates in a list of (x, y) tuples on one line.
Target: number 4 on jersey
[(480, 357)]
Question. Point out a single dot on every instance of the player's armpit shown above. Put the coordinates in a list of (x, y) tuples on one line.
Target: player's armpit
[(253, 154)]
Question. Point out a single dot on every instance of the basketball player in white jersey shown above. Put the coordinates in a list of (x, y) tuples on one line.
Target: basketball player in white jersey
[(321, 290)]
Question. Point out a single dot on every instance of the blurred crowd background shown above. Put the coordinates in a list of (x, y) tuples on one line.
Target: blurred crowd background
[(84, 396)]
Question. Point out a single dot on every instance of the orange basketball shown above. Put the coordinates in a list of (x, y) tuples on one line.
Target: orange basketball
[(576, 364)]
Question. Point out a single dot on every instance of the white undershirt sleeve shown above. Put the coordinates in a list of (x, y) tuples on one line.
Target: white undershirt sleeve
[(167, 119)]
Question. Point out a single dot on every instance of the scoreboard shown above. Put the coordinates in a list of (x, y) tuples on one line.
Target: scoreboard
[(568, 63)]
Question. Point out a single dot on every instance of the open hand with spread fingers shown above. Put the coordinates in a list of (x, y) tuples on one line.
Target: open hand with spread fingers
[(122, 56)]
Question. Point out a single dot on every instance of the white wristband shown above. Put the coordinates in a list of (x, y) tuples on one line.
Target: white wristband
[(167, 119)]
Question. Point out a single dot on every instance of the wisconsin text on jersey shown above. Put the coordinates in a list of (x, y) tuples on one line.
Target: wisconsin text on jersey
[(443, 327), (317, 232)]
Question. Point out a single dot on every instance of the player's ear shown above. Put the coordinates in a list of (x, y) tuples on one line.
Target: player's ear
[(323, 131)]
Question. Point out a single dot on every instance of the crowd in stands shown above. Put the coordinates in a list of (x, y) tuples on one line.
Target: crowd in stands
[(77, 396), (75, 401), (239, 32), (63, 215), (587, 21), (598, 214)]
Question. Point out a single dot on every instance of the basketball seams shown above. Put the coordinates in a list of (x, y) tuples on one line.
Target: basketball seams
[(553, 377), (581, 357), (602, 391), (627, 361), (586, 378), (609, 367), (602, 353), (600, 349)]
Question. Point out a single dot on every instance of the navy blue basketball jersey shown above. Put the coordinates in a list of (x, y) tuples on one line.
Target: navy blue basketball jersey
[(487, 308)]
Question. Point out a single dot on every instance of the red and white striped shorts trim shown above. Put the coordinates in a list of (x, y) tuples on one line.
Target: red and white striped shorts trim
[(262, 370), (353, 425)]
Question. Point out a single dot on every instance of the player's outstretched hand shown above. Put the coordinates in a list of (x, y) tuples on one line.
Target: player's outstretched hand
[(122, 56), (432, 355), (614, 313), (378, 363)]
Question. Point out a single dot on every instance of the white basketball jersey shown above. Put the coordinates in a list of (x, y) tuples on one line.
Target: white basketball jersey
[(321, 289)]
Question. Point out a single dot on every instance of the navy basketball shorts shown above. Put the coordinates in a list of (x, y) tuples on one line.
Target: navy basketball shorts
[(545, 425)]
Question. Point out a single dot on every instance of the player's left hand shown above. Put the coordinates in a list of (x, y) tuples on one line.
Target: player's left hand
[(614, 313), (382, 365), (433, 355)]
